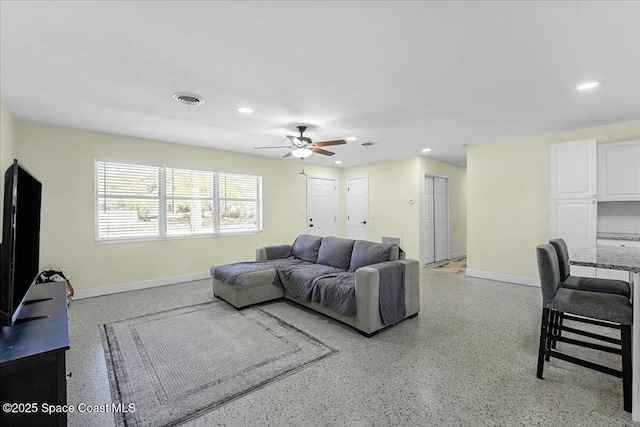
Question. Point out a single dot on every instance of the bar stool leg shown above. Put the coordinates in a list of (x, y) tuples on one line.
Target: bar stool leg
[(627, 369), (551, 330), (544, 331)]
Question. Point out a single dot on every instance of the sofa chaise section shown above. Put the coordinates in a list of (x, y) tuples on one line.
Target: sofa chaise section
[(355, 267)]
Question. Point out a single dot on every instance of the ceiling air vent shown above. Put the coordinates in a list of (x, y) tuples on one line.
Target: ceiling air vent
[(188, 98)]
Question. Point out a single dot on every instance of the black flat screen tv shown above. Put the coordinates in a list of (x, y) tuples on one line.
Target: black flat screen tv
[(20, 240)]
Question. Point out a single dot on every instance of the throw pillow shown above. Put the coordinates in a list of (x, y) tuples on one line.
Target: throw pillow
[(335, 252), (306, 247), (367, 253)]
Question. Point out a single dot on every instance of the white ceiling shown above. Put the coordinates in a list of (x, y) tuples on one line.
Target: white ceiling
[(406, 75)]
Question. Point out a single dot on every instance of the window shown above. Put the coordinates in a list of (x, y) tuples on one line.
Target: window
[(240, 202), (129, 198), (127, 201), (190, 202)]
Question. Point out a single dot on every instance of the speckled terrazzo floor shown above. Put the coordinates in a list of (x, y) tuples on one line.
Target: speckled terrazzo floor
[(468, 359)]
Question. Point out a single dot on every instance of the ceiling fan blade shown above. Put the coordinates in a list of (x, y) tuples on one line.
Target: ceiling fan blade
[(278, 146), (321, 151), (296, 141), (288, 154), (327, 143)]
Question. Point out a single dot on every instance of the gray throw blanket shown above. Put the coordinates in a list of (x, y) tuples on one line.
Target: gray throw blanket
[(297, 279), (336, 292), (229, 273), (392, 307)]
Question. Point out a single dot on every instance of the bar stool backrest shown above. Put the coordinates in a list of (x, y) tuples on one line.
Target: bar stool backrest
[(549, 272), (563, 257)]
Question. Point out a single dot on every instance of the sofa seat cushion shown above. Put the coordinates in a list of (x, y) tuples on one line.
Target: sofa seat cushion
[(306, 247), (336, 292), (246, 274), (297, 279), (335, 252), (367, 253)]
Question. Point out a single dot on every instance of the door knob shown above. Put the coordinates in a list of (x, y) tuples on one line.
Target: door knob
[(363, 222), (310, 225)]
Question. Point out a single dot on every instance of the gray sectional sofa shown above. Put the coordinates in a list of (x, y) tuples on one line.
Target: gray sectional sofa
[(366, 285)]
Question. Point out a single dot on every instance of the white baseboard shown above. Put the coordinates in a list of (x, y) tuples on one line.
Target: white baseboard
[(457, 254), (134, 286), (500, 277)]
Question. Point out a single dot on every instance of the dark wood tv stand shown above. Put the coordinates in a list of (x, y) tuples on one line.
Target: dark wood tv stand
[(32, 359)]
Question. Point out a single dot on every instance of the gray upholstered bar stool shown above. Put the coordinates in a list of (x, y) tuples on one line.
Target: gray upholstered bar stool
[(592, 284), (595, 307), (618, 287)]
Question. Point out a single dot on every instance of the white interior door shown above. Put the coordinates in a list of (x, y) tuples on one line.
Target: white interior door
[(322, 207), (357, 207), (441, 219), (429, 222)]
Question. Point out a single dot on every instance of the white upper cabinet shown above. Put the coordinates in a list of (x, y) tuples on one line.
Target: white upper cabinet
[(573, 170), (619, 171)]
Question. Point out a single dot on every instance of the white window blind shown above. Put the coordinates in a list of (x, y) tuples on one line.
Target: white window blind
[(240, 203), (196, 202), (127, 201), (189, 202)]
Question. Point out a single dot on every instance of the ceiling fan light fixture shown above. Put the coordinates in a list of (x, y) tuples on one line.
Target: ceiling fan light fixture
[(302, 153)]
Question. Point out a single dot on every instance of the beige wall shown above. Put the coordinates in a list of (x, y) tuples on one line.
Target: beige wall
[(63, 160), (392, 184), (457, 181), (509, 197), (7, 148)]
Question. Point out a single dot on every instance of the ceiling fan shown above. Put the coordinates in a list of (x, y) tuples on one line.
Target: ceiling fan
[(302, 147)]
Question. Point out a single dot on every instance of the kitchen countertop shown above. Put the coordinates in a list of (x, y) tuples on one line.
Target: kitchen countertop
[(618, 236), (610, 257)]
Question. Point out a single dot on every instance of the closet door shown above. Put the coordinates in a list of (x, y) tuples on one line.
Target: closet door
[(441, 217), (429, 223)]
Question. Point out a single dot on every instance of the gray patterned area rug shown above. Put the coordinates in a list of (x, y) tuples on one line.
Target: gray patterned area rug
[(178, 364)]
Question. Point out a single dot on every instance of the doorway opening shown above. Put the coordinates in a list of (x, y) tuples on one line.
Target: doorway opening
[(436, 218)]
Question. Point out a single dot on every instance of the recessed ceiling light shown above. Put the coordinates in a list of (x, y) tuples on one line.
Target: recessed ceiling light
[(589, 85), (426, 150), (338, 162), (245, 110), (351, 138), (188, 98)]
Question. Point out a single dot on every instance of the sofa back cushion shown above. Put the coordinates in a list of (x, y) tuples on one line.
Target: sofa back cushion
[(306, 247), (335, 252), (367, 253)]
